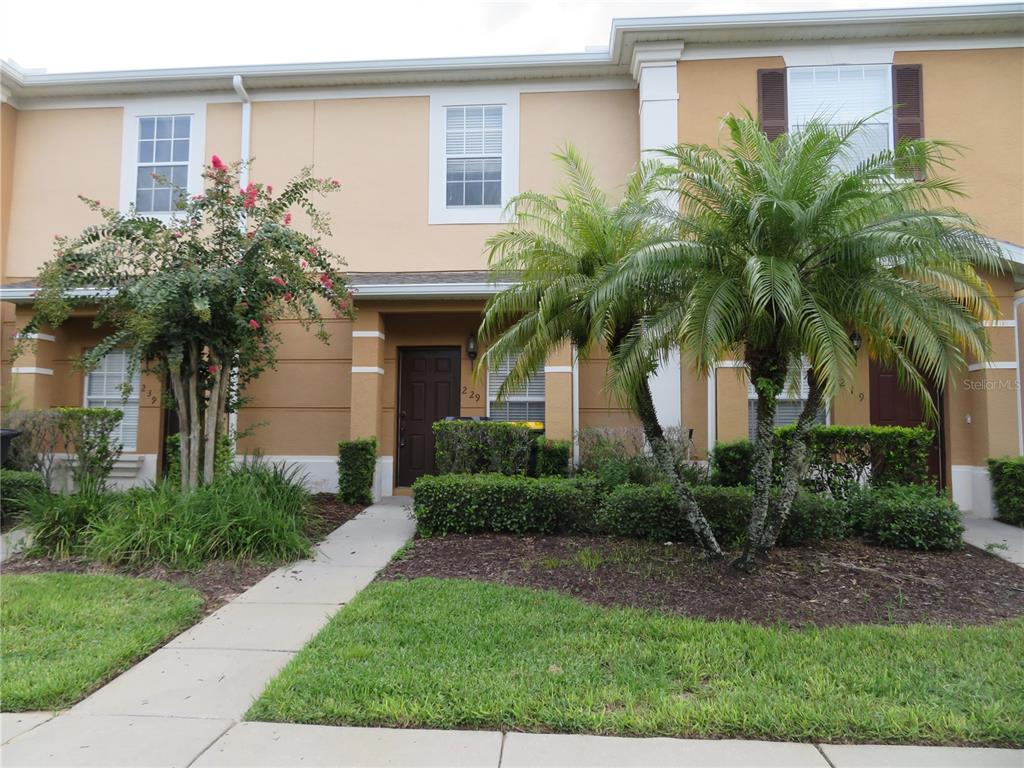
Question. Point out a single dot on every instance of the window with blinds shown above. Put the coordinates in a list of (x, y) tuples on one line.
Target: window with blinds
[(104, 388), (841, 95), (789, 406), (523, 404), (473, 141), (162, 170)]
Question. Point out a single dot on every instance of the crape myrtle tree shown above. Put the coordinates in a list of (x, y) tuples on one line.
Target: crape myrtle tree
[(556, 251), (196, 295), (788, 249)]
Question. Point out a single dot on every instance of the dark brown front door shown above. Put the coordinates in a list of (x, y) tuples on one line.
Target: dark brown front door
[(428, 390), (893, 406)]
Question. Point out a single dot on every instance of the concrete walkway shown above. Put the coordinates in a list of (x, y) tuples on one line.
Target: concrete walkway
[(1007, 540), (182, 705)]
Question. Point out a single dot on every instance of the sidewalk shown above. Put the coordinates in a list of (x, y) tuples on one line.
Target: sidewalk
[(182, 705), (1008, 540)]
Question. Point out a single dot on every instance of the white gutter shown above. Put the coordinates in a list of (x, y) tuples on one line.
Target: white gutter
[(575, 407), (428, 290), (1016, 353)]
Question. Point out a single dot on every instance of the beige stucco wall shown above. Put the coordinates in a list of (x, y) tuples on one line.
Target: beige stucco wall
[(8, 140), (224, 132)]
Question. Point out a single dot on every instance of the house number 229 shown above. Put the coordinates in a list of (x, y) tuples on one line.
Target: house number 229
[(471, 394)]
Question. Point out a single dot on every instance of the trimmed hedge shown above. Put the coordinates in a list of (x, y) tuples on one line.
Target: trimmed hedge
[(461, 503), (15, 485), (1008, 488), (357, 460), (907, 517), (650, 512), (840, 458), (553, 457), (482, 446)]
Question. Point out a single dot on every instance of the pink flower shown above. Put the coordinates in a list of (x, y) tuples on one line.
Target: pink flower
[(303, 263), (211, 368), (217, 163), (250, 193), (176, 235), (287, 219), (270, 189), (288, 296), (197, 197), (325, 280), (312, 250), (277, 280), (250, 235), (343, 305), (335, 183), (254, 324)]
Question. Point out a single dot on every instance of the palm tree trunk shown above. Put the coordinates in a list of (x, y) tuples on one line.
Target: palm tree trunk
[(644, 407), (794, 467), (761, 477)]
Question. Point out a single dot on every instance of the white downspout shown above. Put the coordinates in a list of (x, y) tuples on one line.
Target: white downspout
[(244, 150), (575, 407), (1020, 378)]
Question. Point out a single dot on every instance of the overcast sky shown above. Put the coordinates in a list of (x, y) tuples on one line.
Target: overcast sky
[(90, 35)]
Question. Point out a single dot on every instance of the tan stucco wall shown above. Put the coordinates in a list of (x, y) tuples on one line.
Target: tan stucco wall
[(975, 98), (8, 140), (224, 132), (732, 406), (60, 154), (710, 89), (599, 407)]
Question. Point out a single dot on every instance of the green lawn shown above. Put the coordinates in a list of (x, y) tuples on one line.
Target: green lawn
[(447, 654), (63, 634)]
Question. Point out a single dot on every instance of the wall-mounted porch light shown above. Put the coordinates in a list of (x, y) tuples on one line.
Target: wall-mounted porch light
[(856, 340), (471, 347)]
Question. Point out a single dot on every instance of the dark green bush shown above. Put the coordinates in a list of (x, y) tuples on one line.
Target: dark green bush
[(254, 511), (15, 486), (840, 458), (461, 503), (650, 512), (1008, 488), (224, 457), (357, 460), (553, 457), (482, 446), (86, 433), (907, 517)]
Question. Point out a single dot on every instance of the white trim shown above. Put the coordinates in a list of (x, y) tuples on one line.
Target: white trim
[(321, 471), (368, 335), (367, 369), (972, 489), (1016, 349), (37, 336), (557, 369), (192, 106), (32, 369), (1001, 365), (384, 477), (506, 96), (575, 406), (432, 290), (1000, 324)]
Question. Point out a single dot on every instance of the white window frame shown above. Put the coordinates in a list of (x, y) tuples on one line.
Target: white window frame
[(788, 395), (518, 398), (133, 110), (887, 117), (121, 404), (506, 97)]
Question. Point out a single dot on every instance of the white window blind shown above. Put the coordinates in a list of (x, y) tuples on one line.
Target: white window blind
[(524, 404), (841, 95), (789, 407), (473, 145), (162, 173), (104, 388)]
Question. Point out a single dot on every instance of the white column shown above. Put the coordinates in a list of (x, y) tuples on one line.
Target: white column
[(655, 68)]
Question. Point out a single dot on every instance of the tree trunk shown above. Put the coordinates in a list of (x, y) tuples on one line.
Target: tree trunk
[(195, 419), (184, 412), (213, 407), (644, 406), (794, 468)]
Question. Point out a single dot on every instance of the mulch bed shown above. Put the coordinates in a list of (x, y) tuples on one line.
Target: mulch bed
[(831, 583), (218, 581)]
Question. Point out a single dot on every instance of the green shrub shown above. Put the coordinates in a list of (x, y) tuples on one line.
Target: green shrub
[(840, 459), (35, 449), (731, 462), (650, 512), (58, 525), (224, 457), (1008, 488), (460, 503), (86, 433), (482, 446), (553, 457), (254, 511), (357, 460), (15, 486), (907, 517)]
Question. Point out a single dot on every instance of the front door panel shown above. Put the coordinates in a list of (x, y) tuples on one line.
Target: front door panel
[(428, 391)]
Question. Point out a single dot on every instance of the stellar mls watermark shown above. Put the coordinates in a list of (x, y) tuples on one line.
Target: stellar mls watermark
[(988, 385)]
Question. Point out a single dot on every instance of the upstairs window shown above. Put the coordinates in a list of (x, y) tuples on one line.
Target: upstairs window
[(163, 158), (524, 404), (473, 154), (840, 96), (104, 388), (789, 406)]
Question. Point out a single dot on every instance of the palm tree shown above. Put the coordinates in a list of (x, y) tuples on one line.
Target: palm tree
[(556, 251), (787, 250)]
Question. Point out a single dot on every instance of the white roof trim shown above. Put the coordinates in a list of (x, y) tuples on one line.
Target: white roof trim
[(429, 290), (989, 19)]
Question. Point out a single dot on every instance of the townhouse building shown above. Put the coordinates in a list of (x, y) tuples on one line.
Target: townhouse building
[(429, 151)]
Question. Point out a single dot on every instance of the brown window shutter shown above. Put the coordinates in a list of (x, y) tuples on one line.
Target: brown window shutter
[(909, 97), (771, 101)]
